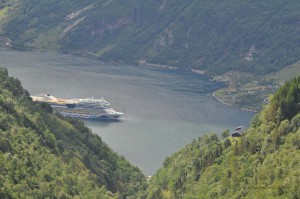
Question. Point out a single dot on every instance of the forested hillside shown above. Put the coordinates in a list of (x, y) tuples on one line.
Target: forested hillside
[(43, 155), (216, 36), (263, 163)]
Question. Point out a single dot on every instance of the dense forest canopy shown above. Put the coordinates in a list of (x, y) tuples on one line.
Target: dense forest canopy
[(263, 163), (217, 36), (287, 99), (43, 155)]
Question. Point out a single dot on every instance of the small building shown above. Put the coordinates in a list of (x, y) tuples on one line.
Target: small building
[(8, 45), (239, 131), (148, 178)]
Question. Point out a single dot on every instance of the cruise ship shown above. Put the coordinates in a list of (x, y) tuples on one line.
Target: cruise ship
[(88, 108)]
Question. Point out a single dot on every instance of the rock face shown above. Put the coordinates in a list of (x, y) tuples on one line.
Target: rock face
[(247, 36)]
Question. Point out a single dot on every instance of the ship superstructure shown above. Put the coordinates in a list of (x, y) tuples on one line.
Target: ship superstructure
[(88, 108)]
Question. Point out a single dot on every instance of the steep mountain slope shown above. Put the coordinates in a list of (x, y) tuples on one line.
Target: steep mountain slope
[(249, 36), (263, 163), (45, 156)]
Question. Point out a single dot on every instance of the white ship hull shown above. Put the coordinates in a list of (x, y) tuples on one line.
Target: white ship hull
[(89, 116), (97, 109)]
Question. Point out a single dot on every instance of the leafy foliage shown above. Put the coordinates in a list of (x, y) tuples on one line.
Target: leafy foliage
[(217, 36), (288, 98), (43, 155), (263, 163)]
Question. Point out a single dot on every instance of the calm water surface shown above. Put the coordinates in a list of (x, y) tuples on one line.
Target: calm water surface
[(164, 110)]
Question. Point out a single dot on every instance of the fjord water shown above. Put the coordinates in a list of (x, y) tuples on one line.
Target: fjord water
[(163, 109)]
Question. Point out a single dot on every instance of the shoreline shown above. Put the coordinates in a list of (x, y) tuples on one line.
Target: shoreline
[(200, 72), (215, 79), (145, 63), (230, 105), (139, 62)]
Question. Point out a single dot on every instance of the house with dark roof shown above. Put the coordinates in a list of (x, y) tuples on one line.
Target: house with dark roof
[(239, 131)]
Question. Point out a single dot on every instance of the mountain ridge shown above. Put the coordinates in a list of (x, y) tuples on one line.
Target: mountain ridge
[(256, 37)]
